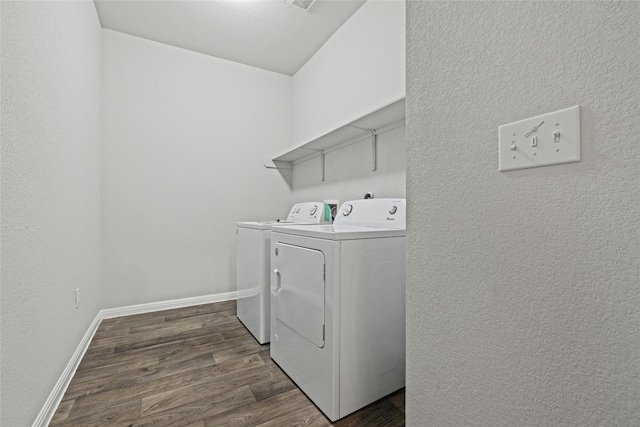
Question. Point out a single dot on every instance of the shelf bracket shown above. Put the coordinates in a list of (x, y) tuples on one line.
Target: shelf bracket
[(374, 148)]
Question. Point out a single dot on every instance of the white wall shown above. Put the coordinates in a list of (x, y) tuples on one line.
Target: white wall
[(523, 291), (185, 136), (358, 71), (348, 173), (50, 195)]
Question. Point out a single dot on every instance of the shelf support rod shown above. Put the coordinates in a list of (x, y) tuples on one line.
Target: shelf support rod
[(321, 159), (276, 167), (374, 148), (290, 167)]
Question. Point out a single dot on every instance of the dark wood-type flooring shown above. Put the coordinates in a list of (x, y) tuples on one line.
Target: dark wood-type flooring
[(193, 367)]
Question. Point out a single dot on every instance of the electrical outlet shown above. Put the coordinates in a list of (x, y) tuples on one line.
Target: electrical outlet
[(77, 297)]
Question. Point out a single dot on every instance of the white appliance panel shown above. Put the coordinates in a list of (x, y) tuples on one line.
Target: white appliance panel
[(253, 290), (315, 369), (341, 232), (299, 290), (372, 326)]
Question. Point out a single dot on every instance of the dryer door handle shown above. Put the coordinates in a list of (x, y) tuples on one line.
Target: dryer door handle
[(278, 283)]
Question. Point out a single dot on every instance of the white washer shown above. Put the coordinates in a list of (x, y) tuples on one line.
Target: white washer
[(338, 305), (252, 265)]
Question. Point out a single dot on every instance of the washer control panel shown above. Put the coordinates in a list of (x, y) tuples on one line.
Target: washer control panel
[(307, 213)]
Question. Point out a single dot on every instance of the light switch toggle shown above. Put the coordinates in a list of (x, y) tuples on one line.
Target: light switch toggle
[(513, 146), (556, 137), (534, 141), (533, 129)]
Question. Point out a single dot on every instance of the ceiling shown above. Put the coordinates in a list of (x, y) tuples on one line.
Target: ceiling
[(268, 34)]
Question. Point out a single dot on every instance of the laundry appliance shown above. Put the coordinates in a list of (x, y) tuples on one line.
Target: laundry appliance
[(253, 264), (338, 305)]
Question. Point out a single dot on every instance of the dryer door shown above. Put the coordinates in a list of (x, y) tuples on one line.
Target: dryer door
[(297, 287)]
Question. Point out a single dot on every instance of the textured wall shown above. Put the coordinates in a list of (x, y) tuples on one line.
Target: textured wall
[(50, 195), (359, 70), (185, 136), (523, 292)]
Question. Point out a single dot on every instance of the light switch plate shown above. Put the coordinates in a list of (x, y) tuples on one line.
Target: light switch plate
[(548, 139)]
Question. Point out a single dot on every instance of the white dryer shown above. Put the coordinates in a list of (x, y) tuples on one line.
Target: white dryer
[(253, 244), (338, 305)]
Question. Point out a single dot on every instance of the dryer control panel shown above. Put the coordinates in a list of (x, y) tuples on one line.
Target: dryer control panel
[(388, 213)]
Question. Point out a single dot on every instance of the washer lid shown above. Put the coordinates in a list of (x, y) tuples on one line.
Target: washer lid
[(340, 232), (258, 225), (301, 213)]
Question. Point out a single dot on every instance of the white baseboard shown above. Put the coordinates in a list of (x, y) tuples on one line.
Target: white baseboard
[(50, 406), (166, 305), (48, 410)]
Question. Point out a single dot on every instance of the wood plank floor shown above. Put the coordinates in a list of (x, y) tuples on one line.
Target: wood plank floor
[(193, 367)]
